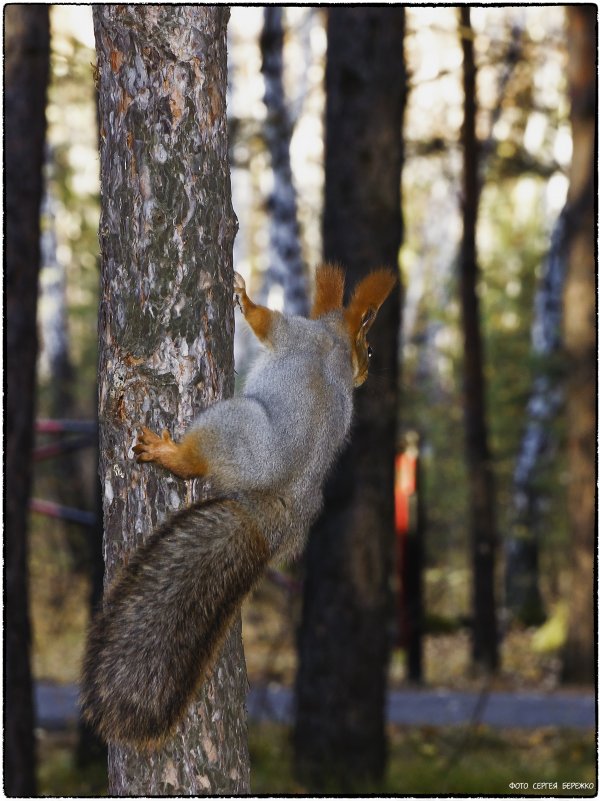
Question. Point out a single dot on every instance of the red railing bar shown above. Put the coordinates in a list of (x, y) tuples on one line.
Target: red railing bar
[(56, 448), (51, 509), (46, 426)]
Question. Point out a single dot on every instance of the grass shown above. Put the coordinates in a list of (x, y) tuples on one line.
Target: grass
[(58, 773), (486, 761), (448, 760), (422, 761)]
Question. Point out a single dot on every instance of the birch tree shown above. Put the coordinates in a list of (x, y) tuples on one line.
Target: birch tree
[(523, 596), (166, 326), (286, 266)]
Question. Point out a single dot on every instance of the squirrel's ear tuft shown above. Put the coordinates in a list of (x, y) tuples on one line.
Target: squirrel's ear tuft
[(367, 297), (329, 290)]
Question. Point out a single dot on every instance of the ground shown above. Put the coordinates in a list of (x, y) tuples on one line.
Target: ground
[(423, 760)]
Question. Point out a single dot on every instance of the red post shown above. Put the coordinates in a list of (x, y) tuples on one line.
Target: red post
[(409, 555)]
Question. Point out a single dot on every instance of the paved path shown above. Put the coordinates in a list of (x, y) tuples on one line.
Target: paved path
[(57, 707)]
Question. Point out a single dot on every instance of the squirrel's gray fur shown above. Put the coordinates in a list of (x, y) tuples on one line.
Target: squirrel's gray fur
[(269, 451), (284, 432)]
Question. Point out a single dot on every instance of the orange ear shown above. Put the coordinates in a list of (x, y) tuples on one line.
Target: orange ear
[(367, 297), (329, 290)]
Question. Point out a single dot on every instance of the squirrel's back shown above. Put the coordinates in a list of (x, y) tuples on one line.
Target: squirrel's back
[(305, 380), (284, 431)]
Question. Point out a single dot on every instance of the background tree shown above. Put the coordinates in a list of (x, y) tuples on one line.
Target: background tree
[(524, 182), (522, 543), (479, 466), (27, 47), (345, 635), (66, 478), (286, 266), (522, 125), (580, 342), (166, 325)]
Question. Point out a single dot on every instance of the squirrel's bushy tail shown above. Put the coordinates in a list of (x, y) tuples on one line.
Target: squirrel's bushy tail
[(165, 616)]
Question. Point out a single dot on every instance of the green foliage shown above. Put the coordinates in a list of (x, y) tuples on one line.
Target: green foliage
[(511, 255), (73, 182), (481, 761), (58, 773), (553, 634), (524, 150)]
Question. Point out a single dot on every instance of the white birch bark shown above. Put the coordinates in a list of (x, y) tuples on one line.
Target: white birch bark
[(286, 266), (523, 597)]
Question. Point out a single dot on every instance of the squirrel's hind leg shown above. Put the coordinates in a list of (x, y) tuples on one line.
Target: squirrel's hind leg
[(183, 459)]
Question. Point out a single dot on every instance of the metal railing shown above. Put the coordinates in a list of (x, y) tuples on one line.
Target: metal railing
[(86, 431)]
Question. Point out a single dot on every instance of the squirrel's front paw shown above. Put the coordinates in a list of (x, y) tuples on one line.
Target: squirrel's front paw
[(239, 290), (150, 447)]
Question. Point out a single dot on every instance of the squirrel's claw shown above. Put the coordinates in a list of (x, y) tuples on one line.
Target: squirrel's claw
[(146, 446), (239, 285), (239, 290)]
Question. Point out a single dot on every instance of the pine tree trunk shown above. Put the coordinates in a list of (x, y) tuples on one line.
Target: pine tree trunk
[(166, 326), (580, 343), (479, 466), (345, 635), (27, 56), (286, 266)]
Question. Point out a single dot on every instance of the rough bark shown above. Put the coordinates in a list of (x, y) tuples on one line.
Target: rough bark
[(479, 466), (166, 326), (345, 635), (580, 344), (286, 266), (27, 53)]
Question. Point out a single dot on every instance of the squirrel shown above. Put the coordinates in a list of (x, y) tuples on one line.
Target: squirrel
[(266, 453)]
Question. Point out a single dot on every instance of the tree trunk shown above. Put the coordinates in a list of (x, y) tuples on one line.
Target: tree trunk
[(523, 597), (580, 343), (90, 747), (27, 56), (286, 266), (166, 326), (479, 466), (345, 635)]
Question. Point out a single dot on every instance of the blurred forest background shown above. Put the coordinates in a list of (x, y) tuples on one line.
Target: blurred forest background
[(525, 150)]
